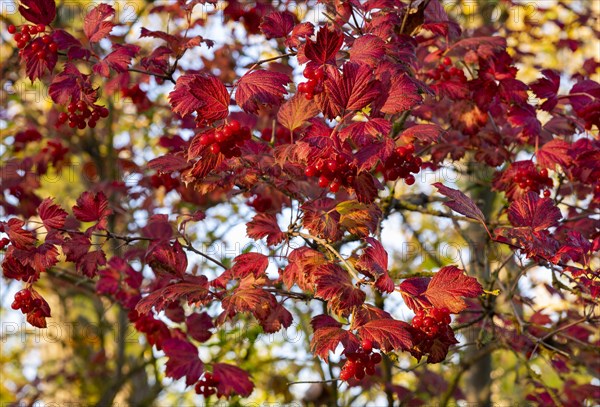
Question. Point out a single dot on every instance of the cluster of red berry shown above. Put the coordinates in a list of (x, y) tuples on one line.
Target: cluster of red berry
[(332, 173), (42, 47), (86, 117), (314, 85), (226, 140), (529, 179), (281, 135), (401, 164), (207, 385), (429, 324), (29, 303), (361, 363), (445, 71)]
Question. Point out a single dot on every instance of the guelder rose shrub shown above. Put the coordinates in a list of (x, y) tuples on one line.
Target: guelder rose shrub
[(388, 91)]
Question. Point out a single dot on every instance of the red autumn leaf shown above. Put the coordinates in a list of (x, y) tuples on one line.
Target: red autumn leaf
[(296, 111), (183, 360), (374, 260), (95, 24), (65, 85), (324, 50), (89, 262), (92, 208), (204, 94), (52, 215), (373, 153), (199, 326), (532, 211), (353, 90), (359, 218), (260, 87), (76, 247), (363, 133), (118, 60), (265, 225), (403, 95), (278, 318), (36, 67), (390, 334), (192, 289), (255, 300), (524, 118), (19, 237), (461, 203), (277, 24), (425, 133), (321, 219), (367, 49), (40, 259), (167, 260), (328, 334), (335, 285), (300, 271), (249, 264), (552, 153), (38, 11), (168, 163), (302, 30), (448, 286), (232, 380), (412, 290)]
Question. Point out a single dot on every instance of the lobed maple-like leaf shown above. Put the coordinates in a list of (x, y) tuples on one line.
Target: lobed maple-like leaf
[(265, 225), (89, 262), (19, 237), (183, 360), (335, 285), (374, 260), (52, 215), (118, 60), (403, 95), (34, 66), (249, 264), (260, 87), (412, 290), (95, 24), (367, 49), (192, 288), (303, 263), (325, 48), (255, 300), (353, 90), (92, 207), (552, 153), (390, 334), (448, 286), (328, 334), (38, 11), (359, 218), (296, 111), (532, 211), (425, 133), (199, 326), (232, 380), (547, 88), (278, 318), (169, 260), (65, 85), (277, 24), (204, 94), (461, 203)]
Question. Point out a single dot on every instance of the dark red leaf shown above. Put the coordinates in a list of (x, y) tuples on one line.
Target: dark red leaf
[(403, 95), (92, 208), (204, 94), (192, 288), (277, 24), (260, 87), (461, 203), (38, 11), (335, 285), (168, 260), (390, 334), (232, 380), (118, 60), (552, 153), (255, 300), (52, 215), (296, 111), (353, 90), (448, 286), (65, 85), (199, 326), (324, 50), (89, 262), (95, 24), (250, 264), (359, 218), (412, 290), (278, 318), (19, 237), (532, 211), (328, 334), (265, 225), (367, 49), (183, 360)]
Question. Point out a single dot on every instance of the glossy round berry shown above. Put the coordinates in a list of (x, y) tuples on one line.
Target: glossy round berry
[(234, 126), (47, 39), (215, 148), (360, 374), (335, 186), (544, 173), (447, 61), (81, 105), (26, 37), (63, 117), (41, 28), (309, 72), (310, 171), (367, 345), (12, 29), (53, 47), (302, 87), (376, 358), (324, 181), (410, 180), (547, 193), (41, 55)]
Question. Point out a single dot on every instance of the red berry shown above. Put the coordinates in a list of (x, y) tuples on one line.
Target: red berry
[(41, 55), (81, 125), (335, 186), (103, 111), (360, 374), (12, 29), (234, 126), (63, 117), (221, 136), (47, 39), (41, 28), (310, 171), (447, 61), (302, 87), (53, 47), (376, 358), (81, 105), (544, 173), (26, 37), (547, 193), (215, 148), (319, 74), (18, 37), (72, 107), (370, 370), (25, 29), (409, 180), (367, 345), (324, 181), (72, 124), (91, 123), (309, 72)]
